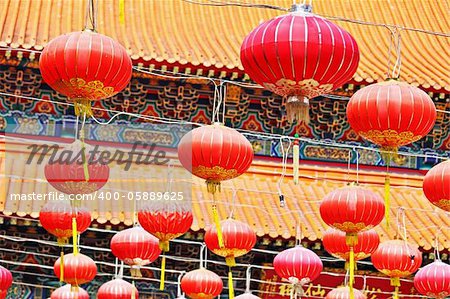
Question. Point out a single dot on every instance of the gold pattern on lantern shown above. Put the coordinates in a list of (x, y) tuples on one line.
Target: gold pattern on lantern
[(230, 252), (309, 88), (93, 90), (390, 137), (350, 227), (395, 273), (443, 204), (81, 187), (216, 173)]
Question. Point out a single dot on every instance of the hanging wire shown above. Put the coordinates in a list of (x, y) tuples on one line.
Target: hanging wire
[(91, 16), (398, 63)]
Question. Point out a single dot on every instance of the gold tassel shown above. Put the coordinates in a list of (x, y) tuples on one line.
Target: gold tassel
[(218, 226), (351, 281), (62, 241), (164, 245), (83, 106), (213, 187), (231, 261), (297, 109), (230, 284), (135, 272), (163, 272), (75, 236), (133, 291), (61, 266), (387, 199), (296, 160), (122, 12), (84, 157)]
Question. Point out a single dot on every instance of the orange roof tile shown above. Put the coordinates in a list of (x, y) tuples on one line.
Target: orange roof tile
[(179, 32), (256, 203)]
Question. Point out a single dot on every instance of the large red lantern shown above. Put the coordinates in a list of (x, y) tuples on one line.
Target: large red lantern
[(391, 113), (433, 280), (436, 185), (85, 66), (135, 247), (69, 292), (6, 280), (78, 269), (117, 289), (77, 176), (299, 55), (201, 284), (396, 259), (299, 266), (56, 217), (215, 153), (166, 221), (335, 243), (345, 293)]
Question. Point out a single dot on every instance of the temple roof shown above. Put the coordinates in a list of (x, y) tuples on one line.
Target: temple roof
[(178, 32), (256, 202)]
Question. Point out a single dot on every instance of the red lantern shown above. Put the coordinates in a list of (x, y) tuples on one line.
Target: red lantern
[(247, 296), (201, 284), (391, 113), (334, 241), (358, 210), (78, 269), (345, 293), (436, 185), (215, 153), (299, 266), (85, 66), (299, 55), (433, 280), (135, 247), (6, 280), (56, 218), (117, 289), (77, 176), (69, 292), (396, 259), (238, 239)]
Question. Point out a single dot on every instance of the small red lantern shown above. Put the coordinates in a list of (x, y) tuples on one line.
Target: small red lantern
[(135, 247), (77, 176), (215, 153), (396, 259), (300, 55), (69, 292), (201, 284), (56, 217), (78, 269), (85, 66), (247, 296), (433, 280), (299, 266), (6, 280), (117, 289), (334, 242), (238, 239), (436, 185), (391, 114), (345, 293)]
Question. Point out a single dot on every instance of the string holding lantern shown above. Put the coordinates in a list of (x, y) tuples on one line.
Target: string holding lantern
[(396, 259), (344, 293), (299, 55), (238, 240), (135, 247), (6, 281), (69, 292), (359, 210), (335, 243), (391, 114), (436, 185), (298, 266), (201, 283)]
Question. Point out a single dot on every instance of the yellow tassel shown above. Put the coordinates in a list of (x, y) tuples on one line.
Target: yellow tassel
[(296, 161), (75, 236), (84, 158), (213, 187), (351, 239), (62, 241), (387, 199), (122, 12), (133, 292), (218, 226), (61, 266), (163, 272), (230, 285), (396, 293), (351, 266), (395, 281), (231, 261), (164, 246), (82, 107)]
